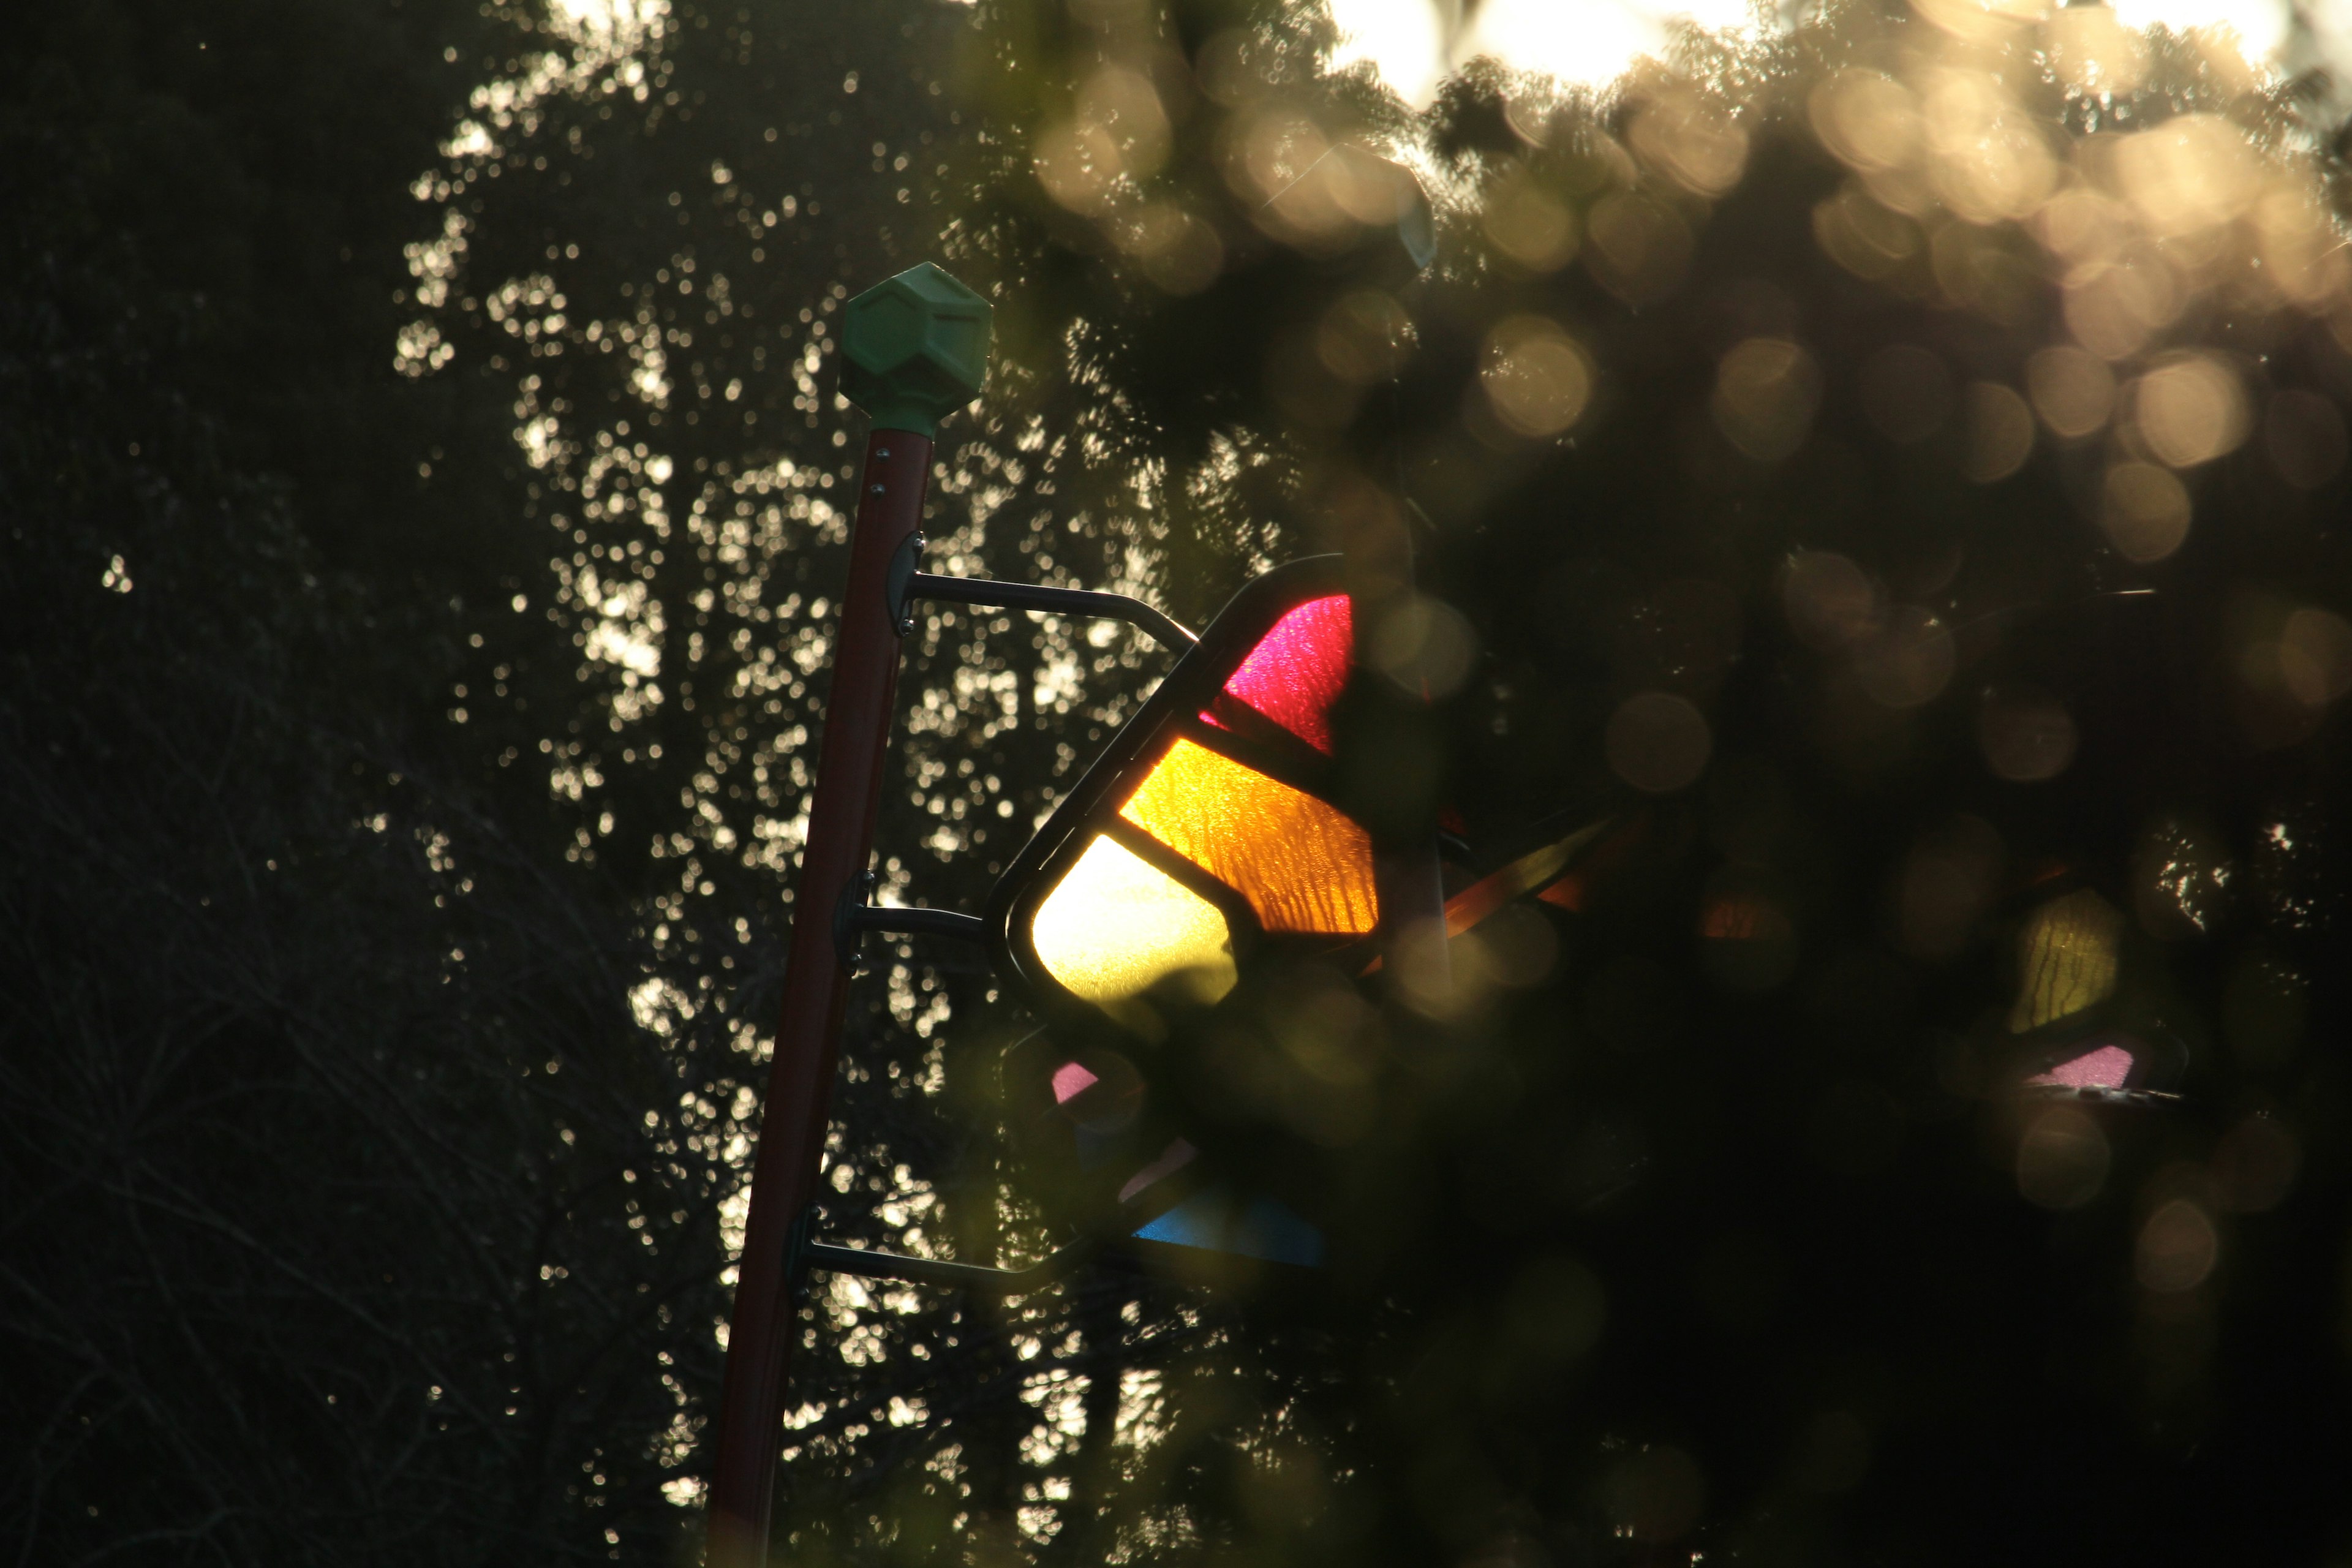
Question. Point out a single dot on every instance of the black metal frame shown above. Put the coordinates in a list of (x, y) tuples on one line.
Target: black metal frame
[(1200, 673), (1169, 711), (906, 584)]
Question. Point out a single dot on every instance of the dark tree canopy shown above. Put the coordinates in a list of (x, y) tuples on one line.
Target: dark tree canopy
[(1890, 467)]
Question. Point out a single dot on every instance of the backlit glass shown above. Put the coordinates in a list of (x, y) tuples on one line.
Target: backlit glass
[(1297, 671), (1302, 865), (1114, 927), (2108, 1067), (2067, 959), (1217, 1220)]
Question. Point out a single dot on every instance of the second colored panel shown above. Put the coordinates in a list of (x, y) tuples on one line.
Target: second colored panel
[(1302, 865)]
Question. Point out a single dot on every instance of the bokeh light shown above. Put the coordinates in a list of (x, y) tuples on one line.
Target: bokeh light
[(2179, 1246), (1658, 742), (1414, 44)]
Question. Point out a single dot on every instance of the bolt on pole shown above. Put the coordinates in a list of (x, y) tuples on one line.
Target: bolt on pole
[(914, 349)]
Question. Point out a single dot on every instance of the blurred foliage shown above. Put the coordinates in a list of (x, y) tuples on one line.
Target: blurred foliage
[(1881, 462), (1886, 464)]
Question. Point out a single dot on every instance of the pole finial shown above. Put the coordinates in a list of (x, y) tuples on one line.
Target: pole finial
[(914, 349)]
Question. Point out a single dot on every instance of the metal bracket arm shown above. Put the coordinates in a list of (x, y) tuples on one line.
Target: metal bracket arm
[(907, 584), (853, 917), (934, 1271)]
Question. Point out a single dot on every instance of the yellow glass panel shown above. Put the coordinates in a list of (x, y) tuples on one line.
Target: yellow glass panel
[(2067, 959), (1301, 865), (1114, 926)]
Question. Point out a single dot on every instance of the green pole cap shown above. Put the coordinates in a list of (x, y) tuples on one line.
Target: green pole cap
[(914, 349)]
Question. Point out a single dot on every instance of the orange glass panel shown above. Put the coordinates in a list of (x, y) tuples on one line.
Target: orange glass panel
[(1302, 865)]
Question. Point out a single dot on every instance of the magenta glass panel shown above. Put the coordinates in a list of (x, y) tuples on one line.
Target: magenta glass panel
[(1172, 1159), (1296, 671), (2106, 1068), (1070, 1080)]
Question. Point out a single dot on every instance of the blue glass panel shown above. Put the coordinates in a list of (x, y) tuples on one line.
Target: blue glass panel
[(1198, 1221), (1261, 1229), (1271, 1231)]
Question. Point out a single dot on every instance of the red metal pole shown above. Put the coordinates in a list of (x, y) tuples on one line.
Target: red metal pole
[(816, 990), (913, 349)]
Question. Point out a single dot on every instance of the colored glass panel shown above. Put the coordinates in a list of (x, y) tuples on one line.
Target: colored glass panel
[(1260, 1228), (1302, 865), (1297, 671), (2106, 1068), (1113, 927), (2067, 959), (1172, 1159), (1742, 918), (1570, 893), (1070, 1080)]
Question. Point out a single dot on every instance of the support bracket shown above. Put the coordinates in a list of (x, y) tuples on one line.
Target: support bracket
[(907, 584), (855, 914), (869, 1265)]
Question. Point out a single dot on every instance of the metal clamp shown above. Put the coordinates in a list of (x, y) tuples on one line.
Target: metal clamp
[(905, 584), (905, 567), (855, 914)]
